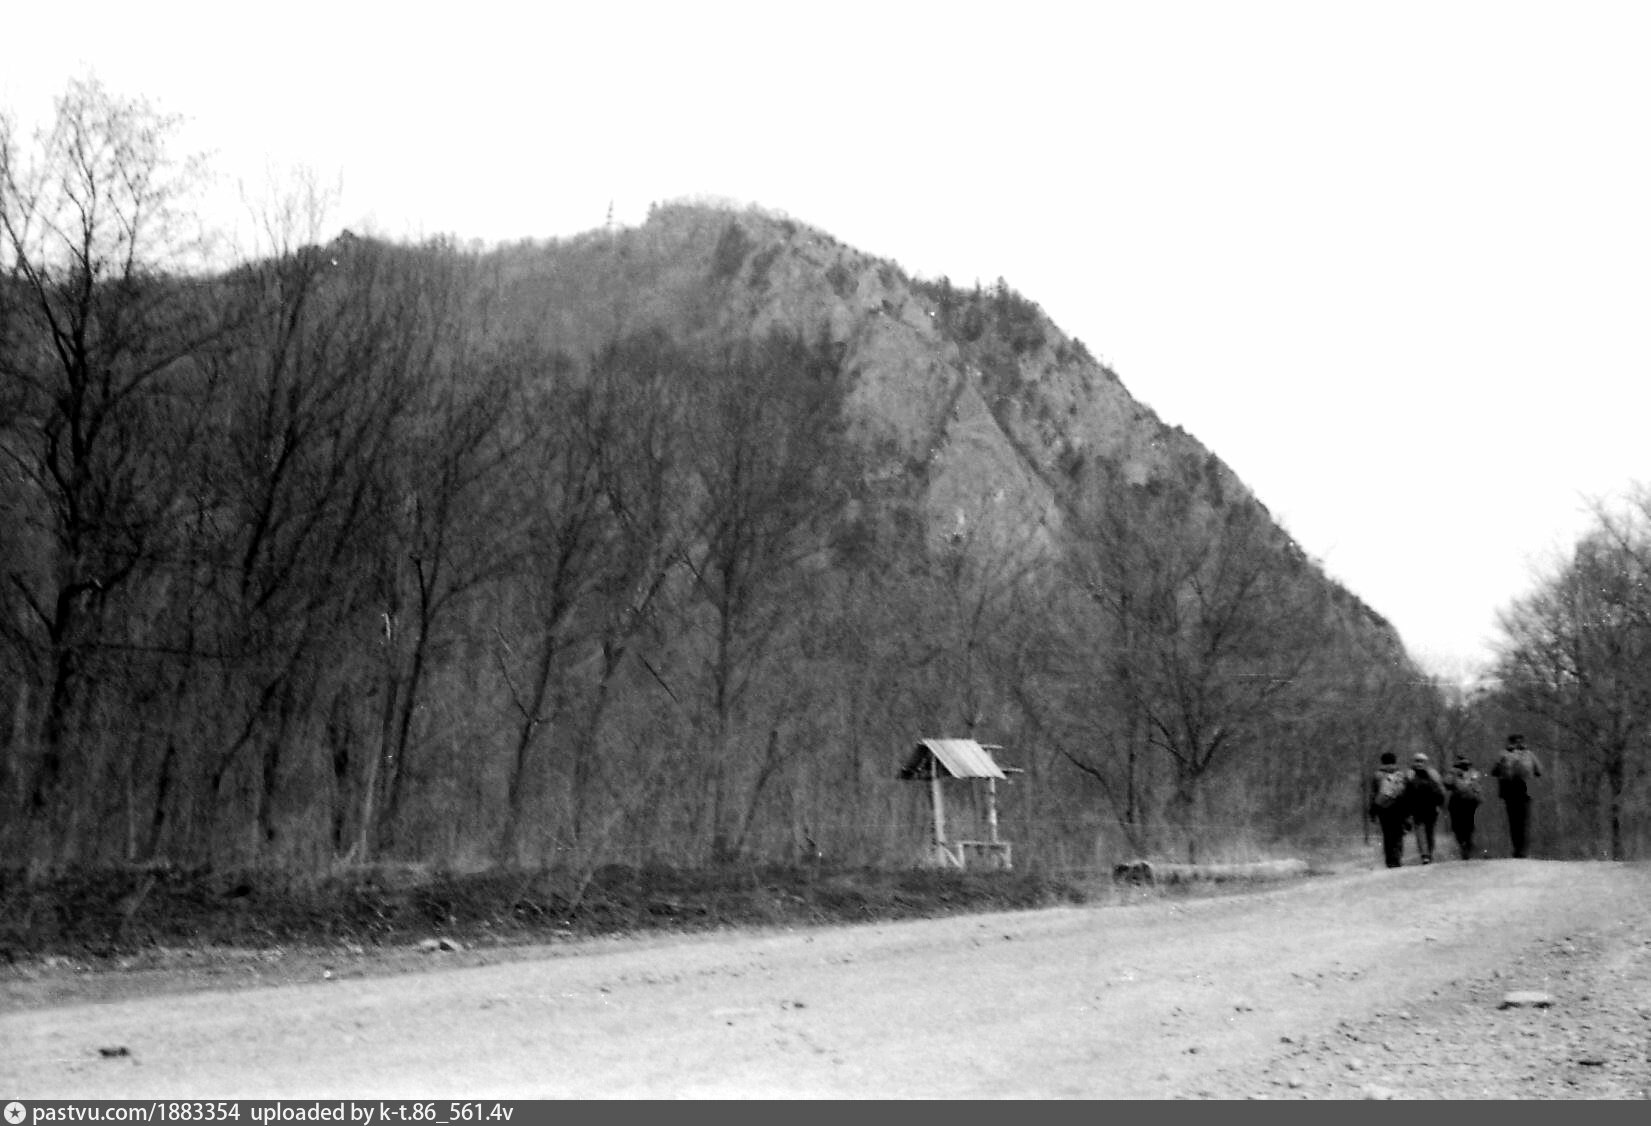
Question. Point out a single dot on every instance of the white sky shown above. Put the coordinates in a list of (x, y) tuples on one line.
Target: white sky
[(1390, 261)]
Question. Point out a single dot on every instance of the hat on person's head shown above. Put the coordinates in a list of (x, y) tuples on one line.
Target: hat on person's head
[(1463, 760), (1418, 759), (1389, 757), (1516, 740)]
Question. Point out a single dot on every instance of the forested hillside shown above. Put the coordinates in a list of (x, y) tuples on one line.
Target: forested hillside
[(659, 544)]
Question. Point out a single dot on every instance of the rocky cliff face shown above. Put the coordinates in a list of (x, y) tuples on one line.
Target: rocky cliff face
[(970, 402)]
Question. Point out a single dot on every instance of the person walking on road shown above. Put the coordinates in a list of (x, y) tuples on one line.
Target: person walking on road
[(1386, 807), (1424, 794), (1464, 791), (1513, 773)]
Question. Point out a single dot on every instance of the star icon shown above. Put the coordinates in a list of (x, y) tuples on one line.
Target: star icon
[(15, 1113)]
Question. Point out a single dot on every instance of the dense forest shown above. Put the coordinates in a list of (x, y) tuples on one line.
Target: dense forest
[(656, 545)]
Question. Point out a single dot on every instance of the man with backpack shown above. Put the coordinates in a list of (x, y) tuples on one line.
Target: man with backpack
[(1424, 794), (1513, 772), (1464, 789), (1387, 807)]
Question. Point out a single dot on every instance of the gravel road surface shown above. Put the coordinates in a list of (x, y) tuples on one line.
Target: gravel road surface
[(1370, 984)]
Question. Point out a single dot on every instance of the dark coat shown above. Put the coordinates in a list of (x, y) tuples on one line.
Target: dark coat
[(1513, 772), (1464, 785), (1377, 812), (1424, 791)]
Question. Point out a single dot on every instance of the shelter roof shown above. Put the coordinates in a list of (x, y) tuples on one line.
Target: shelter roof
[(960, 758)]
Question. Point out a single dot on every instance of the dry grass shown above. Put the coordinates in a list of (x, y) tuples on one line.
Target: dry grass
[(110, 914)]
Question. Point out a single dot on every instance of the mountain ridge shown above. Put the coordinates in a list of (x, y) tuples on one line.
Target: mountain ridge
[(1020, 417)]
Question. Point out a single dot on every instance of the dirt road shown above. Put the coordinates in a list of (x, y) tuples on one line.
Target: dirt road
[(1369, 984)]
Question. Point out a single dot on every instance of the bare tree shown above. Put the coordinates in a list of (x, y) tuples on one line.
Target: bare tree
[(1204, 633), (1576, 652), (601, 535), (453, 483), (976, 586), (340, 359), (103, 375), (767, 456)]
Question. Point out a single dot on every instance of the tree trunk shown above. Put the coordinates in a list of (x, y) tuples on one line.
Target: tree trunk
[(163, 795), (1186, 798), (12, 797), (54, 732), (524, 759), (722, 719), (1616, 777), (395, 779), (770, 763), (378, 763)]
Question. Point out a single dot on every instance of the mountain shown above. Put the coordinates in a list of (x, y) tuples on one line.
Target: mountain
[(975, 394)]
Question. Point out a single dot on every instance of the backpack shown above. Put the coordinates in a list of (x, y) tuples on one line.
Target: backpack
[(1513, 770), (1424, 789), (1390, 788), (1467, 787)]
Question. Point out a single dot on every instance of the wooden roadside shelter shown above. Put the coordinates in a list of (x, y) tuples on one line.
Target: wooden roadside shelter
[(933, 761)]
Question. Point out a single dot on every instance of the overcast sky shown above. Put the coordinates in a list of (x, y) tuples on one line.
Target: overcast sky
[(1390, 261)]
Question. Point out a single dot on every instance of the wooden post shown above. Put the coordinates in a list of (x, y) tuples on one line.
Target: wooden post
[(939, 808), (991, 809)]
